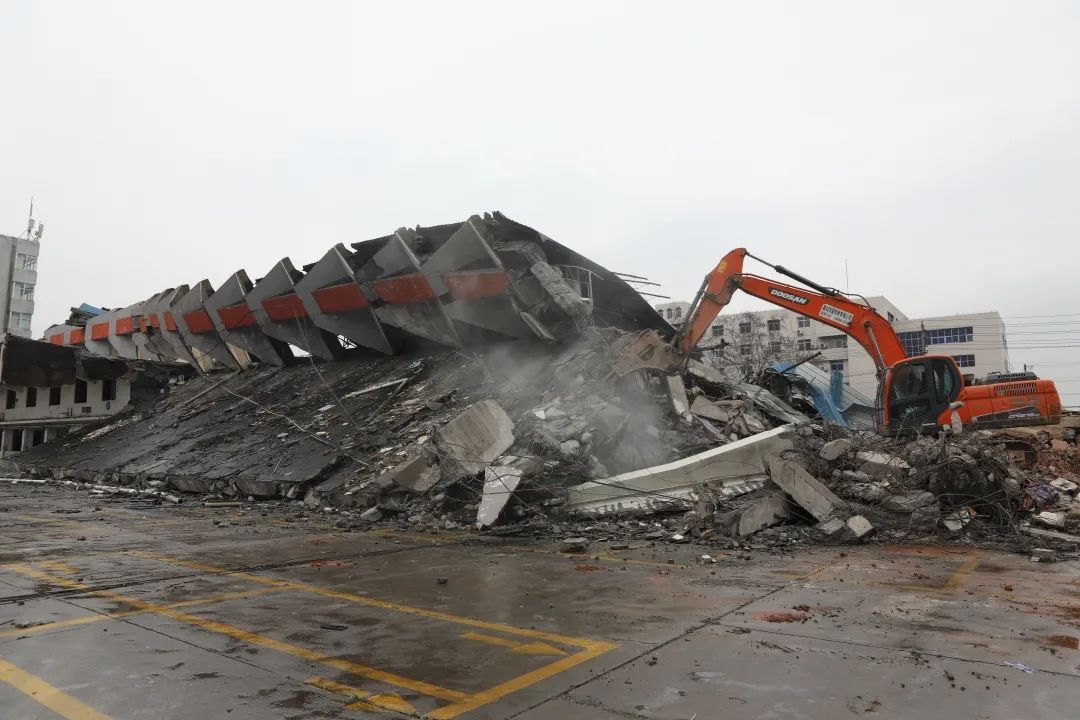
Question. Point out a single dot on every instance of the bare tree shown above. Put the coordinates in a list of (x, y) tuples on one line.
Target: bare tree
[(749, 342)]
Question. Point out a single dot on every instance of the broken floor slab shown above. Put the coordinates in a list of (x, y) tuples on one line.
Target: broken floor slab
[(475, 438), (738, 467)]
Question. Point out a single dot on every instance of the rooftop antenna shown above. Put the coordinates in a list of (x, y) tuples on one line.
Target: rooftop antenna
[(30, 222)]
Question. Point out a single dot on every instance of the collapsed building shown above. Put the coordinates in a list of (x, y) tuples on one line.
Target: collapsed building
[(463, 376)]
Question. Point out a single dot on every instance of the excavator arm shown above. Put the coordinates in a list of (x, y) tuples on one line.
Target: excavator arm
[(914, 393), (826, 305)]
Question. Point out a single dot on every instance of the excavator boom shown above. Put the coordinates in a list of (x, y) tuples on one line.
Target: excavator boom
[(826, 305)]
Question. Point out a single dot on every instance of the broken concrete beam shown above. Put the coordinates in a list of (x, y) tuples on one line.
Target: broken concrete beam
[(680, 404), (859, 526), (1050, 534), (835, 449), (417, 474), (908, 502), (474, 439), (882, 465), (758, 514), (1053, 520), (1044, 555), (833, 529), (806, 489), (500, 482), (721, 411), (732, 469)]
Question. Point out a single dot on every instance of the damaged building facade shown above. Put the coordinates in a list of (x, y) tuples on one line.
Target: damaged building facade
[(50, 391)]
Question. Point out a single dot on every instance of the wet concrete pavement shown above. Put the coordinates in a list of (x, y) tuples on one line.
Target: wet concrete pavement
[(191, 612)]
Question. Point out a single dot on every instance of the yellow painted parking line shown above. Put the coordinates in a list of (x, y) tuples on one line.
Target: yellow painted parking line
[(590, 649), (362, 700), (348, 666), (45, 694), (57, 565), (533, 648), (384, 604), (98, 617), (954, 582), (513, 685)]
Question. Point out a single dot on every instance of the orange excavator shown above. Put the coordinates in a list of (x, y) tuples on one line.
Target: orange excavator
[(915, 394)]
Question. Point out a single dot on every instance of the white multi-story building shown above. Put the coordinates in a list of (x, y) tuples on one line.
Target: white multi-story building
[(976, 341), (18, 276)]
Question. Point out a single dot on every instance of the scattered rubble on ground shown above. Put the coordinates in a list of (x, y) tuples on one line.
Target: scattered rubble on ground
[(552, 442)]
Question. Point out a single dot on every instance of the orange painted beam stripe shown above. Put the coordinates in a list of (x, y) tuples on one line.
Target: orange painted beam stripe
[(284, 307), (236, 316), (340, 298)]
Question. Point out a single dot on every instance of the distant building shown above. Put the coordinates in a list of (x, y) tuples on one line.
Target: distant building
[(18, 276), (975, 341)]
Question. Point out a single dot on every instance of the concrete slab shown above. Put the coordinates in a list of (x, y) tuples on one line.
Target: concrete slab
[(740, 465)]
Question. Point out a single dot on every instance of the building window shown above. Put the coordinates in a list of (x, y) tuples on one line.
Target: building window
[(26, 262), (678, 313), (744, 328), (964, 360), (80, 391), (803, 322), (717, 330), (19, 321), (833, 341), (22, 291), (12, 399), (805, 346), (891, 317), (773, 325), (774, 347), (31, 397), (16, 439), (913, 342), (744, 349), (108, 390), (941, 336), (836, 366), (54, 395), (37, 437)]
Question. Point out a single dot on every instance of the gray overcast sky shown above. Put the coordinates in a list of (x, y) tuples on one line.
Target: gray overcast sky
[(934, 146)]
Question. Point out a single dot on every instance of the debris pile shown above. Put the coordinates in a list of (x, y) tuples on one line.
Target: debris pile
[(548, 439)]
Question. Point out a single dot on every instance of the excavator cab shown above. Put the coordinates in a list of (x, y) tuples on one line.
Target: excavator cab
[(918, 394)]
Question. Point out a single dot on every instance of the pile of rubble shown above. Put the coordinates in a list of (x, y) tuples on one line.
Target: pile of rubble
[(550, 440)]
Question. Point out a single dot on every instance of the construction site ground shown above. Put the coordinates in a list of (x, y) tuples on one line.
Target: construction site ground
[(127, 610)]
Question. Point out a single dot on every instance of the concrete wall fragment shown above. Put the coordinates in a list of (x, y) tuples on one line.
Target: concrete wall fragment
[(236, 323), (281, 314), (336, 303), (197, 330)]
